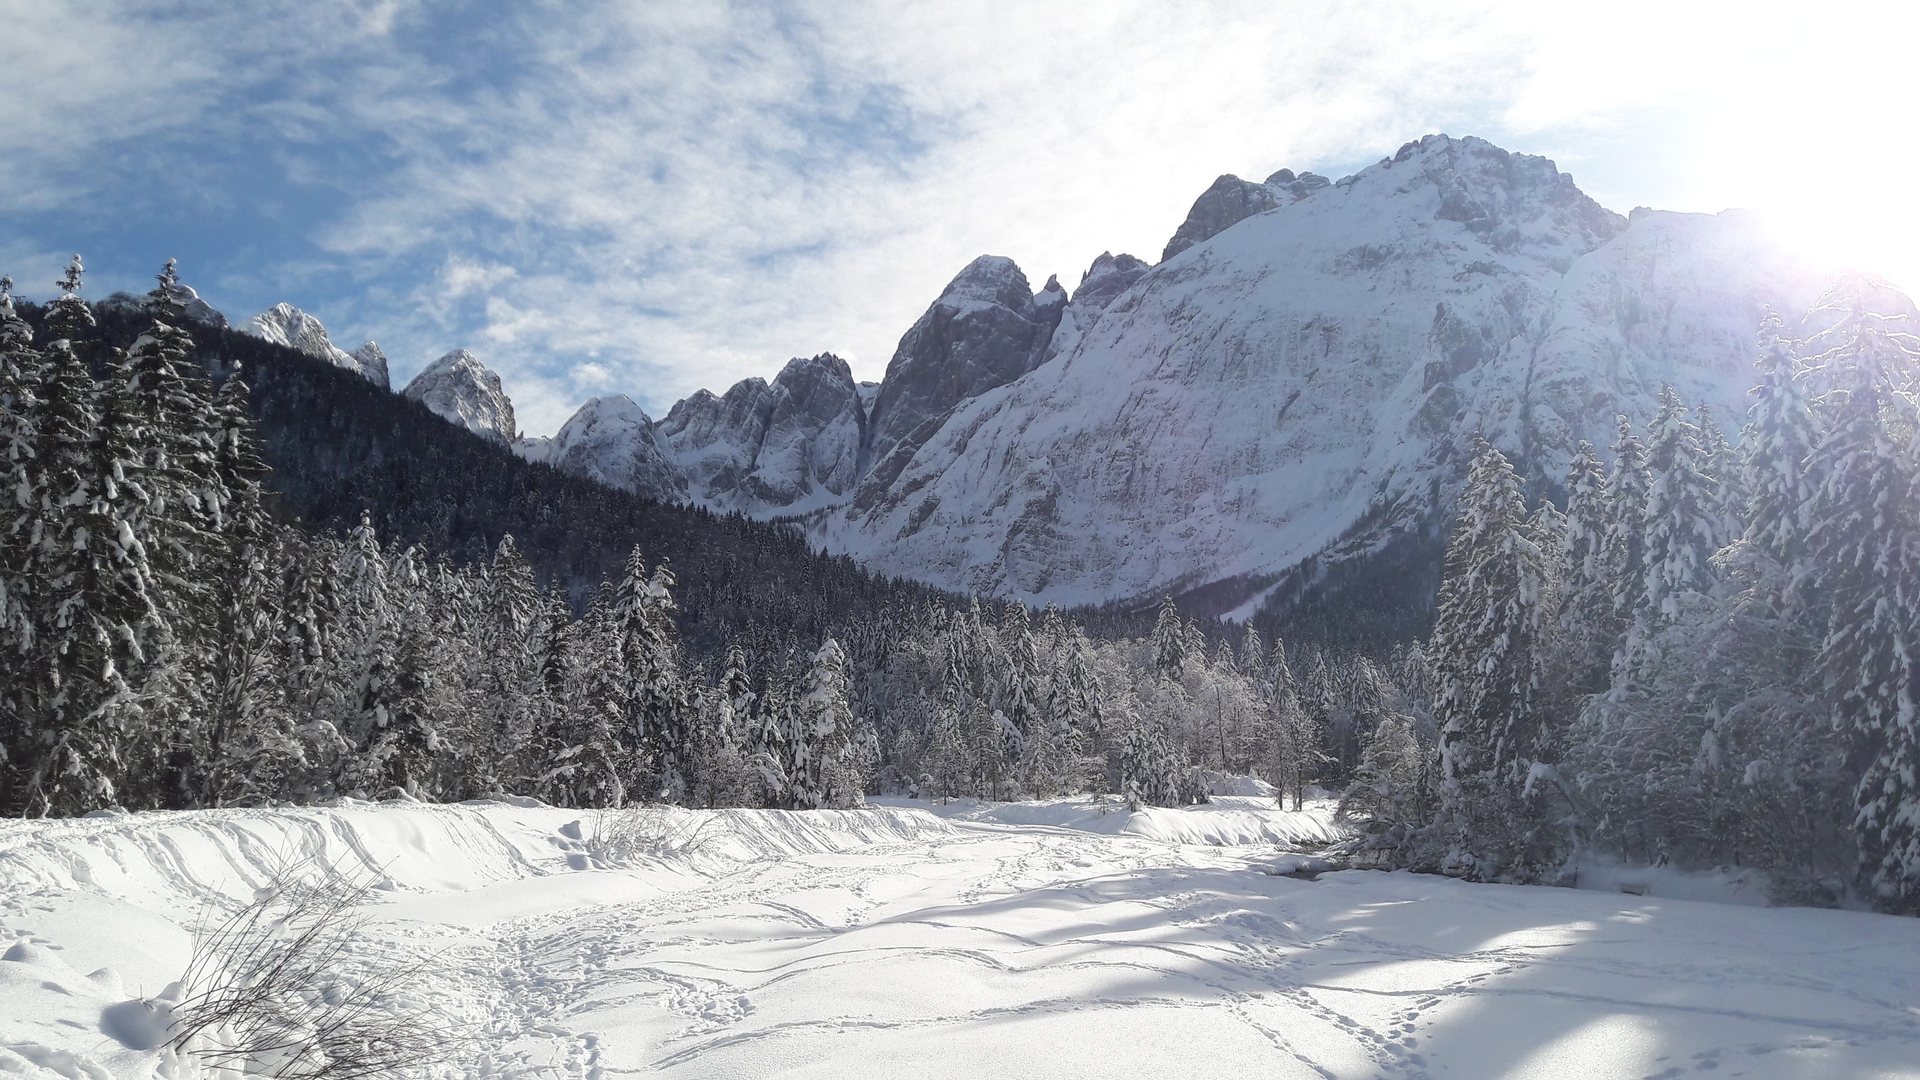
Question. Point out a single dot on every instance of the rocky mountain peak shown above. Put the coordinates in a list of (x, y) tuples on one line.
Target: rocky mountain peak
[(372, 361), (1108, 277), (1230, 200), (461, 389), (284, 324), (612, 440), (984, 331), (989, 279)]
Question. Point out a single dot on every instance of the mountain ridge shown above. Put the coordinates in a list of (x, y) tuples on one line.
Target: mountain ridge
[(1291, 383)]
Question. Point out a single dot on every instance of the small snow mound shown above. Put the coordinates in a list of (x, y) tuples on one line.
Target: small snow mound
[(26, 952), (140, 1024), (1304, 867)]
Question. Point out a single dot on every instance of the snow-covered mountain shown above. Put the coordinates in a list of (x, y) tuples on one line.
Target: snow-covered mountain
[(1301, 371), (284, 324), (987, 329), (465, 391), (611, 440), (785, 448)]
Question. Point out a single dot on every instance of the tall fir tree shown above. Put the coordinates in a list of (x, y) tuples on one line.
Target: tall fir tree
[(1489, 646)]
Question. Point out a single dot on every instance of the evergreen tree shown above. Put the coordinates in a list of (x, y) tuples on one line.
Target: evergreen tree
[(104, 623), (1587, 624), (20, 375), (643, 628), (1169, 641), (1489, 650), (1862, 541), (1625, 543)]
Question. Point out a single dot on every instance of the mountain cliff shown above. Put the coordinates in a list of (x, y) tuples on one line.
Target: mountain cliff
[(284, 324), (459, 388)]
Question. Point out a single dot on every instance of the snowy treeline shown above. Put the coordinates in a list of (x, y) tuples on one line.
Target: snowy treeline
[(167, 644), (991, 703), (1712, 656)]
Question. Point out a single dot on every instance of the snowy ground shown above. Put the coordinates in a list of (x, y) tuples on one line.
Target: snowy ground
[(974, 941)]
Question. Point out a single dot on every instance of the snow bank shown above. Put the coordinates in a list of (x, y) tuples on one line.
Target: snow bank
[(192, 856), (1227, 821), (1230, 821), (97, 913), (1725, 885)]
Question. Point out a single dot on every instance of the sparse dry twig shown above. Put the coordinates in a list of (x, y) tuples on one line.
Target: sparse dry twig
[(267, 991)]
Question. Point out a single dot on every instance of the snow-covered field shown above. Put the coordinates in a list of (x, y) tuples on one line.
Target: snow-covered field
[(975, 941)]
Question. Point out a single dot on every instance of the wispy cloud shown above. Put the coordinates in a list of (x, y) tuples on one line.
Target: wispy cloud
[(650, 198)]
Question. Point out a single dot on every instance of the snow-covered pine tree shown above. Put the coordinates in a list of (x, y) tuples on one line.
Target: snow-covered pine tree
[(1290, 733), (1767, 770), (20, 375), (248, 744), (1387, 789), (551, 757), (508, 618), (1681, 518), (1721, 464), (597, 745), (1170, 641), (179, 429), (948, 762), (403, 695), (44, 517), (771, 748), (1625, 542), (105, 622), (650, 672), (720, 728), (1253, 655), (1150, 768), (1489, 653), (1587, 626), (1867, 562), (1779, 437), (1020, 676)]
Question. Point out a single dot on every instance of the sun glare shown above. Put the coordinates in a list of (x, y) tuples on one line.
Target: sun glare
[(1809, 126)]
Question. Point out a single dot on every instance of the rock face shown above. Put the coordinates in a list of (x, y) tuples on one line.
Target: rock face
[(373, 362), (284, 324), (1108, 277), (984, 331), (612, 440), (459, 388), (1232, 200), (790, 447), (810, 454)]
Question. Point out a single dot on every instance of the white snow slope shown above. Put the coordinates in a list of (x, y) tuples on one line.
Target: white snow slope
[(894, 943)]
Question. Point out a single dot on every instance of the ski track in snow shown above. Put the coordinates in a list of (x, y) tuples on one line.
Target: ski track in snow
[(891, 943)]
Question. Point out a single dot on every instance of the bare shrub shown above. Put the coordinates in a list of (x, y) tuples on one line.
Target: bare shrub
[(268, 991), (650, 834)]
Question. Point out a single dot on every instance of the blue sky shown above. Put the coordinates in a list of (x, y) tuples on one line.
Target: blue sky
[(651, 198)]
